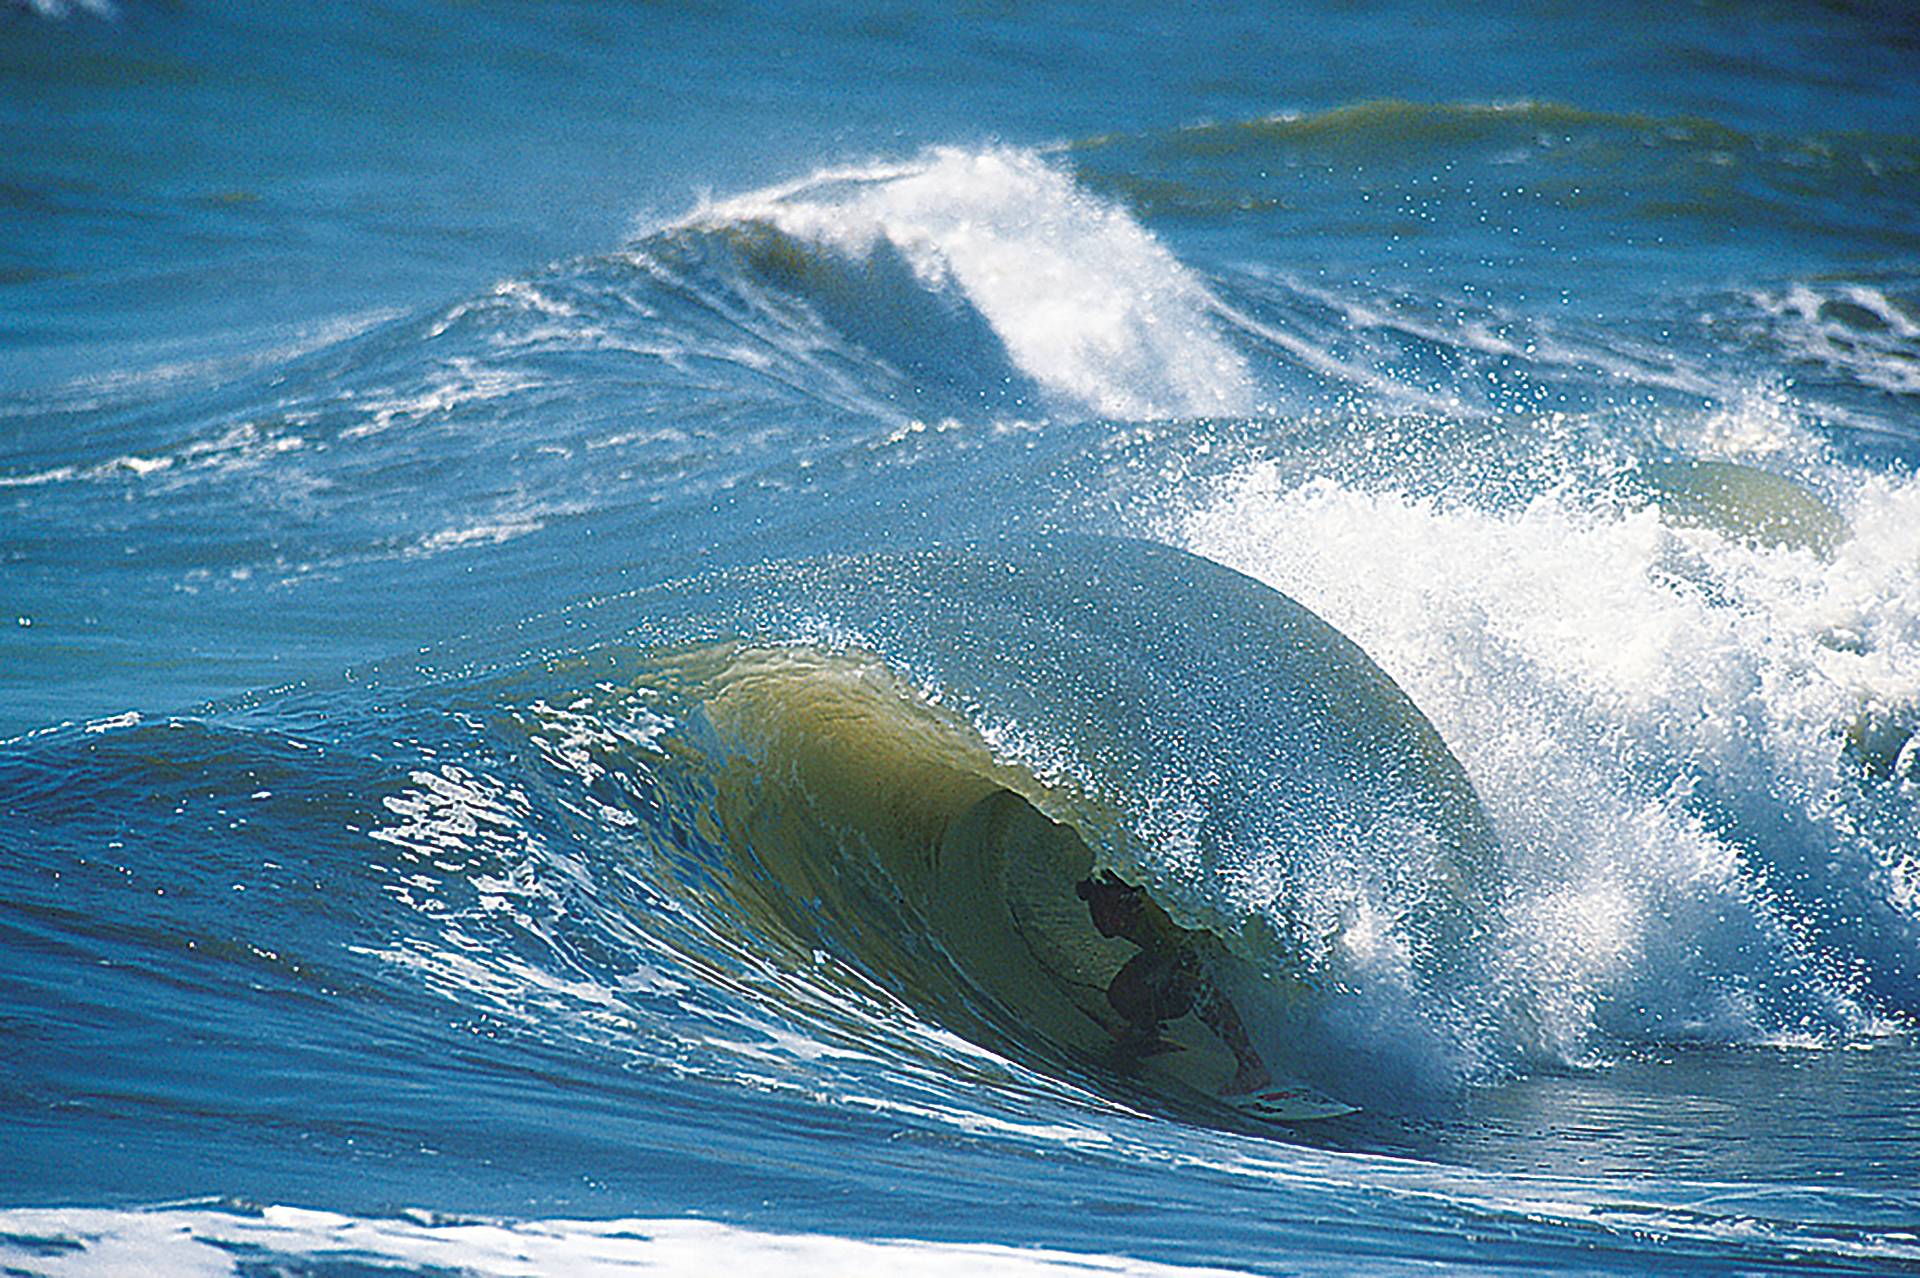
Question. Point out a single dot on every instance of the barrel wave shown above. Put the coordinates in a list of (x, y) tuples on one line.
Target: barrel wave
[(667, 637), (967, 734)]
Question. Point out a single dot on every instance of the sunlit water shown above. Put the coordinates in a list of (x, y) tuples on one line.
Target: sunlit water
[(576, 579)]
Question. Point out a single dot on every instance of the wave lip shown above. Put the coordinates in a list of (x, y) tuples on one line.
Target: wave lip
[(1087, 303)]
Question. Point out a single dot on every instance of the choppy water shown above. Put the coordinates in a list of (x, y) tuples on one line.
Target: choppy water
[(581, 582)]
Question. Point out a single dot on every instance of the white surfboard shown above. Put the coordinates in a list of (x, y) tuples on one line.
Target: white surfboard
[(1288, 1103)]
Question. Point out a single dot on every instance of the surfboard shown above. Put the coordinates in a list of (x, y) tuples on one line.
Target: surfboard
[(1288, 1103)]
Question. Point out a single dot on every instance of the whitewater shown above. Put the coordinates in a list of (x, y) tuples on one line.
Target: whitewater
[(585, 594)]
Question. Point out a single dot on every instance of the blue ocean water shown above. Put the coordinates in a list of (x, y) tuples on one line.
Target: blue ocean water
[(578, 584)]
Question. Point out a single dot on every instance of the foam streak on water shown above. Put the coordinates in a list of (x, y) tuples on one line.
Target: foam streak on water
[(79, 1244)]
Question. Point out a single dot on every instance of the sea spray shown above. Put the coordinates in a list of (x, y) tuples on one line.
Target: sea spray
[(1719, 859), (1086, 301)]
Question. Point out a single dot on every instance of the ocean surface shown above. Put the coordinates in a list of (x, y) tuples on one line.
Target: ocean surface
[(580, 583)]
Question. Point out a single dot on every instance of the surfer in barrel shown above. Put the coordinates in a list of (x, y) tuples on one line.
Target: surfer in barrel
[(1166, 980)]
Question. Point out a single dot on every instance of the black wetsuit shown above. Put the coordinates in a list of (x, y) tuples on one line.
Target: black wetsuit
[(1167, 979), (1156, 985)]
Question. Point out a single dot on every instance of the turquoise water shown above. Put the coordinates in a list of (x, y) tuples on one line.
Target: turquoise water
[(525, 533)]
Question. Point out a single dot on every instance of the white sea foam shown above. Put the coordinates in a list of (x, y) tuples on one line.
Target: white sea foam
[(461, 381), (1666, 726), (35, 479), (67, 8), (1315, 356), (113, 723), (205, 1243), (1476, 326), (490, 532), (1086, 301), (1853, 329), (239, 448)]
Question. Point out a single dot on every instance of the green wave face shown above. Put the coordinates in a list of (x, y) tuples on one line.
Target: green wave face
[(896, 836), (911, 761), (1744, 503)]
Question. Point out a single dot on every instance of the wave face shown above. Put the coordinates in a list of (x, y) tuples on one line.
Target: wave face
[(521, 768), (1213, 741)]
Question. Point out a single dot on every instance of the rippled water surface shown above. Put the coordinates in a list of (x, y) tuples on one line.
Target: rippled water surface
[(581, 583)]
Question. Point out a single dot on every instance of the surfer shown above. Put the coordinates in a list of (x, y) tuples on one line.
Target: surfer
[(1166, 980)]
